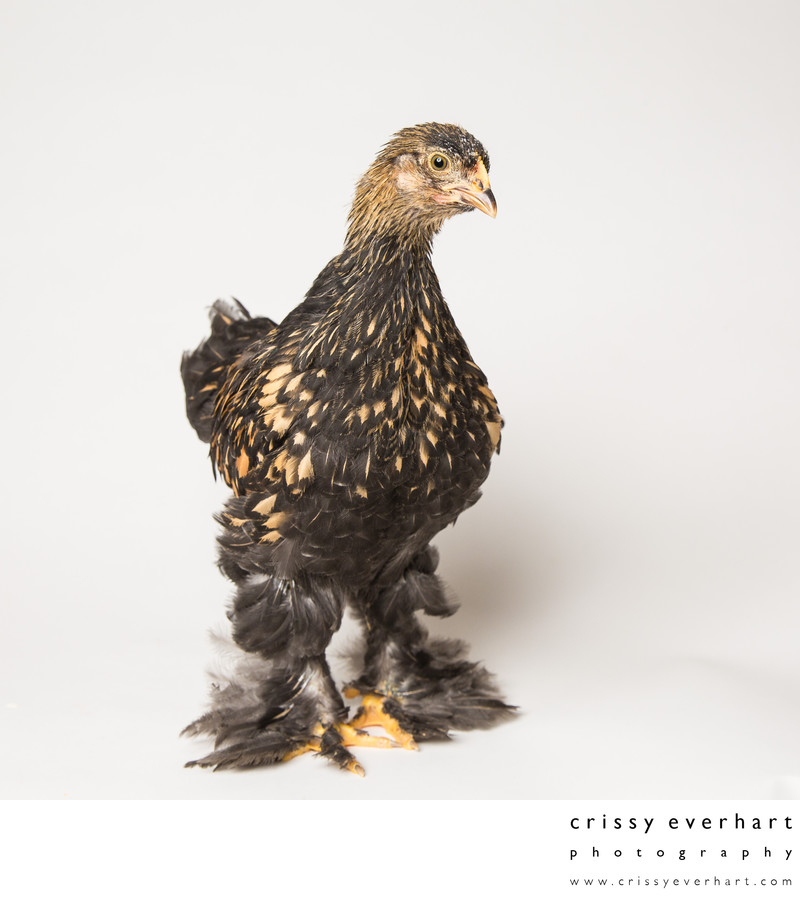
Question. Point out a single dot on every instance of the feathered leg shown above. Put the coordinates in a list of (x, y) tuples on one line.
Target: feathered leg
[(278, 699), (414, 686)]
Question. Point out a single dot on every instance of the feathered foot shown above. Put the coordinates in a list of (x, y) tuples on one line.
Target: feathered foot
[(271, 747), (415, 687), (331, 742), (425, 693), (348, 735), (260, 715), (262, 712)]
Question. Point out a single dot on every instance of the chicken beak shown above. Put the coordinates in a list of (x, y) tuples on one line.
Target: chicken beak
[(477, 191), (483, 200)]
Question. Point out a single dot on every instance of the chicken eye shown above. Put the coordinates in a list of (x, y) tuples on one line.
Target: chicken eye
[(438, 162)]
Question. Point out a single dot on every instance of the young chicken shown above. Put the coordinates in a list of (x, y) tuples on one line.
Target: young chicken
[(350, 434)]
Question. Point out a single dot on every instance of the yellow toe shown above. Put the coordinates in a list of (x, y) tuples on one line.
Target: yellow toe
[(371, 713), (354, 736)]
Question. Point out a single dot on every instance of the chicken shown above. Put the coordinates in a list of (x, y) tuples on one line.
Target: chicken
[(350, 434)]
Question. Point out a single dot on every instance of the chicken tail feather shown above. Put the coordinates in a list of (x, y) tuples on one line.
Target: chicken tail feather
[(204, 369)]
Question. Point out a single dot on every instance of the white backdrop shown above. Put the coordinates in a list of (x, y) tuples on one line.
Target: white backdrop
[(632, 571)]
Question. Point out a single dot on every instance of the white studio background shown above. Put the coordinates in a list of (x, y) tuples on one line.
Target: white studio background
[(632, 571)]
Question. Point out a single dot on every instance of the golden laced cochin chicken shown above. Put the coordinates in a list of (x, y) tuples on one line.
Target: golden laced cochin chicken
[(351, 433)]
